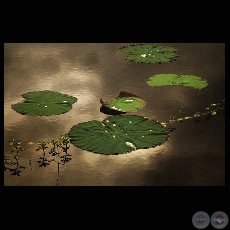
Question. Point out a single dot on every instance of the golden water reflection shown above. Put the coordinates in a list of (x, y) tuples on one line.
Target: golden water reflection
[(93, 71)]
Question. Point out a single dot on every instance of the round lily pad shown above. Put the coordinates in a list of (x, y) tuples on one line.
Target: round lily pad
[(44, 103), (118, 134), (149, 53), (125, 102), (177, 80)]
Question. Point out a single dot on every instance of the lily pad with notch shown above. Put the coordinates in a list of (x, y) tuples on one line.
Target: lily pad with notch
[(125, 102), (44, 103), (177, 80), (118, 134), (150, 53)]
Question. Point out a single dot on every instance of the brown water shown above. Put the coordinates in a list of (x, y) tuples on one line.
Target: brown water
[(194, 155)]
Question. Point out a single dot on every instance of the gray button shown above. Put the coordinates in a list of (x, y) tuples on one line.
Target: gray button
[(219, 220), (201, 220)]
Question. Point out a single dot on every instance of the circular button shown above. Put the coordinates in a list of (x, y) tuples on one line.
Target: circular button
[(201, 220), (219, 220)]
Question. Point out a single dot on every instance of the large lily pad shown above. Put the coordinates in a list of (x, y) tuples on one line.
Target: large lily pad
[(125, 102), (44, 103), (149, 53), (177, 80), (118, 134)]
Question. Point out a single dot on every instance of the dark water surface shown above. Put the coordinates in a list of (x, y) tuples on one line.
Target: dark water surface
[(194, 155)]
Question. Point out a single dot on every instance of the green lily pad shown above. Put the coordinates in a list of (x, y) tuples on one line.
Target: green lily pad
[(177, 80), (149, 53), (44, 103), (125, 102), (118, 134)]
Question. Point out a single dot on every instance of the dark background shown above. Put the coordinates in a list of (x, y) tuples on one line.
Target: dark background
[(181, 23)]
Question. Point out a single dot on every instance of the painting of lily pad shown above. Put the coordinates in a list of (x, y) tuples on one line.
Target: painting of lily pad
[(125, 102), (177, 80), (44, 103), (149, 53), (118, 134)]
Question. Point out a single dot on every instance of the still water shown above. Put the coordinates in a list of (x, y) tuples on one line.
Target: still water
[(194, 155)]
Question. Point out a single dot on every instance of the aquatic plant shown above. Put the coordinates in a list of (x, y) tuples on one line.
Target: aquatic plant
[(64, 141), (150, 53), (16, 147), (211, 111), (118, 134), (42, 145), (55, 146), (54, 150), (44, 103), (125, 102), (177, 80)]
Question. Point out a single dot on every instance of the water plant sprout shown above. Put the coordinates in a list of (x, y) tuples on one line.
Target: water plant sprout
[(16, 147)]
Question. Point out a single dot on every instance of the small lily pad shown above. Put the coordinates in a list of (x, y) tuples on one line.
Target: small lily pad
[(125, 102), (149, 53), (118, 134), (177, 80), (44, 103)]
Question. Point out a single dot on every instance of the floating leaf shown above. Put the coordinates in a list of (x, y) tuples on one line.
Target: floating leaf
[(125, 102), (164, 124), (197, 114), (44, 103), (177, 80), (118, 134), (149, 53)]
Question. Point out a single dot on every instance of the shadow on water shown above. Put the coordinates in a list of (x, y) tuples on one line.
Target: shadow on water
[(108, 111), (13, 166)]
